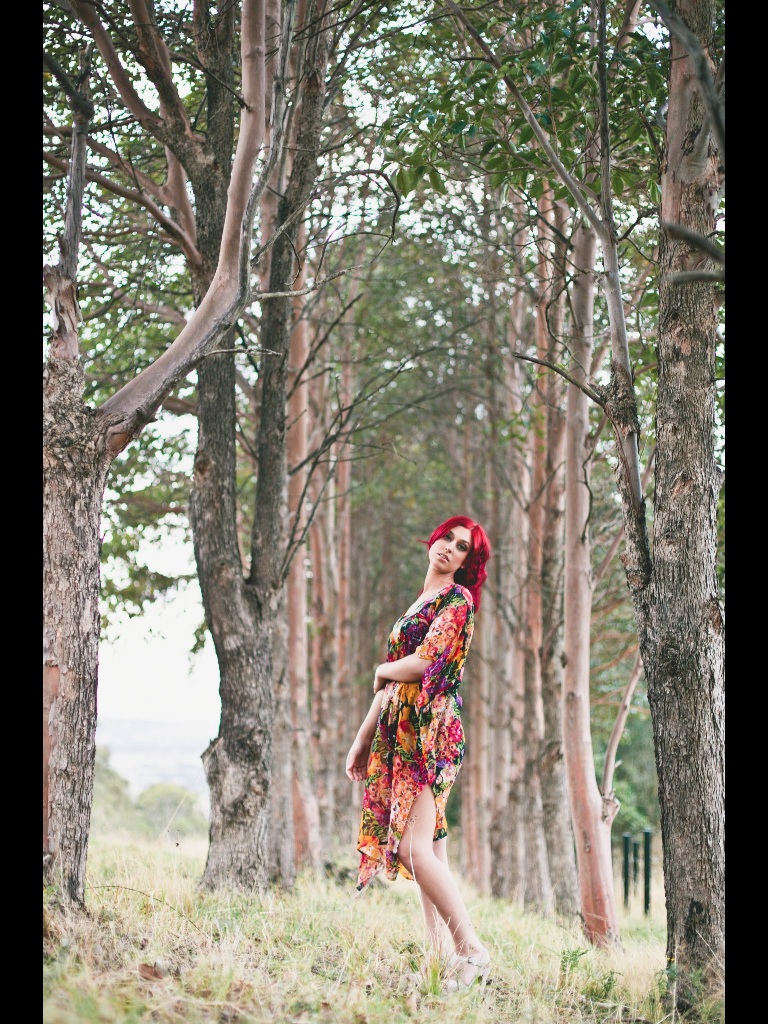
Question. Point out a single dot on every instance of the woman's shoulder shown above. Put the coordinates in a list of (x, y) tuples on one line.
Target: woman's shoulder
[(459, 594)]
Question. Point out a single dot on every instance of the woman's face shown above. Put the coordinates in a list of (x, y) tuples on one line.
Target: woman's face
[(449, 553)]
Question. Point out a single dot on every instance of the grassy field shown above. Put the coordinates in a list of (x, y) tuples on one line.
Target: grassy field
[(154, 948)]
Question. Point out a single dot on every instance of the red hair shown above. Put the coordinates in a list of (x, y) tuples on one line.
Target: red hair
[(472, 574)]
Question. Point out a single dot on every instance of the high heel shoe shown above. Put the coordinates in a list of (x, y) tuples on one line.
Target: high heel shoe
[(466, 970)]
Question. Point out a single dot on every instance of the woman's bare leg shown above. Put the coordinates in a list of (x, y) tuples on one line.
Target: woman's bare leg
[(439, 933), (438, 889)]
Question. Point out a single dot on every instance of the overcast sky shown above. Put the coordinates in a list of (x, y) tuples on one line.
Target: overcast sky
[(148, 673)]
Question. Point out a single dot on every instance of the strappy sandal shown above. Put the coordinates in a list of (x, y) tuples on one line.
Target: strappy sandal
[(467, 970)]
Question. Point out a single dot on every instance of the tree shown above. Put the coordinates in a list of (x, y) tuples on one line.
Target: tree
[(243, 613), (80, 442), (681, 622)]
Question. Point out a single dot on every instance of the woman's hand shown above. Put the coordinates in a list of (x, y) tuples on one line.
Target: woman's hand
[(357, 761)]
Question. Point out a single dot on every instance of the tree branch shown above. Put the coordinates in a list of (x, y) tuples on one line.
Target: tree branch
[(597, 396)]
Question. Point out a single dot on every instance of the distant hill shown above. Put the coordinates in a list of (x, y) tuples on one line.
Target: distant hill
[(146, 752), (164, 808)]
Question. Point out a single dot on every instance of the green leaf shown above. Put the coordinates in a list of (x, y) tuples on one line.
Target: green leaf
[(436, 181), (635, 130), (496, 162), (401, 182), (417, 174)]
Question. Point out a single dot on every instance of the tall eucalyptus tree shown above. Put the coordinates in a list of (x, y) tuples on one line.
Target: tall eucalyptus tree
[(681, 620)]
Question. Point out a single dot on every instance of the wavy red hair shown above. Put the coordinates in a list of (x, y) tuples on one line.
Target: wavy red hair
[(472, 574)]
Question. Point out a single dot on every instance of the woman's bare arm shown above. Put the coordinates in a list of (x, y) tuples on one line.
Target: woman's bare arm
[(410, 669), (357, 758)]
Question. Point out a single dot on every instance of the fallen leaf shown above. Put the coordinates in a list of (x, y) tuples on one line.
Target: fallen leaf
[(149, 972)]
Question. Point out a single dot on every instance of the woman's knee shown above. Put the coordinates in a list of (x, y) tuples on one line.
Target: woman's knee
[(416, 856)]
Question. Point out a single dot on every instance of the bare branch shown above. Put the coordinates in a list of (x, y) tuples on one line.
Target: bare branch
[(128, 411), (595, 395), (618, 726), (172, 229), (696, 240)]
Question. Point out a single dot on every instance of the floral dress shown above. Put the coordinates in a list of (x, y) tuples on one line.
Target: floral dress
[(419, 739)]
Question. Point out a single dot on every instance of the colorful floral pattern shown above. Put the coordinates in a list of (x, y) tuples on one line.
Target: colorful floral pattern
[(419, 739)]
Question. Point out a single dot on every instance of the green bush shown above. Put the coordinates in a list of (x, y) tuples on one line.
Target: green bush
[(113, 809), (163, 808), (172, 810)]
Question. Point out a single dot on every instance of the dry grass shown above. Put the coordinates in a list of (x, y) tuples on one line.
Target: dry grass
[(153, 948)]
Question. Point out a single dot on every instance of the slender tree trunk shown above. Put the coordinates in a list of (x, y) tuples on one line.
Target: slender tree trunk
[(325, 673), (361, 600), (538, 890), (281, 842), (509, 841), (592, 814), (558, 831), (504, 827), (476, 695), (538, 885), (344, 611), (305, 812)]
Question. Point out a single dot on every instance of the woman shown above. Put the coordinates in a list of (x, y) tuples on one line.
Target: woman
[(410, 747)]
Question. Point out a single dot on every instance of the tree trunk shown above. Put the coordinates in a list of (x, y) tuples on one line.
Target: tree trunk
[(76, 460), (538, 889), (592, 814), (558, 830), (282, 842), (680, 618), (238, 762), (476, 698), (538, 886), (508, 838), (305, 813), (325, 674), (345, 822)]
